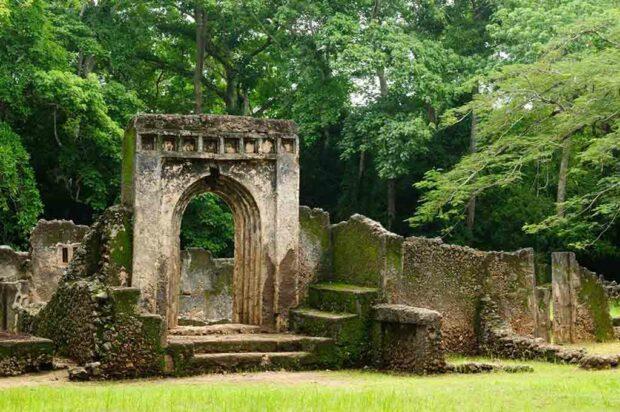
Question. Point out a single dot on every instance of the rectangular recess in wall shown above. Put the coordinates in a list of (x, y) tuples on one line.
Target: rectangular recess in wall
[(211, 145), (148, 141), (190, 144)]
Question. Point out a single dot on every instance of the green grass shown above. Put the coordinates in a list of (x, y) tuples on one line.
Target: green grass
[(614, 308), (550, 387)]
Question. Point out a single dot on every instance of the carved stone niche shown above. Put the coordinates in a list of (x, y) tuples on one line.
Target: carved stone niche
[(250, 145), (169, 144), (211, 145), (148, 141), (231, 146), (190, 144), (267, 146), (288, 145)]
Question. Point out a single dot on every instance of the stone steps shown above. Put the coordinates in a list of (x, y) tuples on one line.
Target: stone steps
[(316, 322), (243, 347), (338, 297), (341, 312), (258, 342), (251, 361), (219, 329)]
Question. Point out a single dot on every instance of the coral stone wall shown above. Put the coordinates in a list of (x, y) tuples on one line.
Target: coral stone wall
[(91, 317), (315, 248), (206, 286), (52, 245), (13, 265), (452, 280), (580, 302), (364, 253)]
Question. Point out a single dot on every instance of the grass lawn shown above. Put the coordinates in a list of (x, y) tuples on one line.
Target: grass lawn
[(550, 387), (614, 308)]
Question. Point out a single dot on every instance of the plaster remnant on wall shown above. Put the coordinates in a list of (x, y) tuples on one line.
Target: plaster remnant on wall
[(206, 286)]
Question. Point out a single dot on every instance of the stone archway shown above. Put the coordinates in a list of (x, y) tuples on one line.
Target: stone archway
[(253, 165), (247, 304)]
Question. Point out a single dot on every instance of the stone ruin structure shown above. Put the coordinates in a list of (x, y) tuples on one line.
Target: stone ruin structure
[(300, 293)]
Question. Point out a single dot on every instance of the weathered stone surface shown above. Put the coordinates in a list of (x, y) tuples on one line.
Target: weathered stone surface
[(598, 362), (315, 248), (405, 314), (580, 302), (206, 286), (407, 339), (477, 367), (53, 244), (159, 179), (496, 338), (20, 354), (14, 265), (365, 253), (340, 297), (91, 317), (452, 279)]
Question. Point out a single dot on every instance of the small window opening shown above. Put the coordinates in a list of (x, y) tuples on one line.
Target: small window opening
[(65, 254)]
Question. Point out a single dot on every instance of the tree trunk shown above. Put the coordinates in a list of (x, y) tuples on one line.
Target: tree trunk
[(231, 98), (200, 17), (391, 202), (562, 177), (471, 206), (383, 86)]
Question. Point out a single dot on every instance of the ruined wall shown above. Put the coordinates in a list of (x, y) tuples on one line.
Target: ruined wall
[(92, 317), (52, 245), (580, 302), (452, 280), (14, 265), (315, 248), (206, 286), (365, 254)]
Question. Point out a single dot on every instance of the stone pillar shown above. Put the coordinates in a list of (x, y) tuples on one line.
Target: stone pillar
[(286, 231), (565, 285), (543, 315)]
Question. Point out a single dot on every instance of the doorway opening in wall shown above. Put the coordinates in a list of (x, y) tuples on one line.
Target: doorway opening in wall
[(206, 262)]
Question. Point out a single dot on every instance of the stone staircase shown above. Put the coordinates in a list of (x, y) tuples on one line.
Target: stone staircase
[(340, 312), (235, 347)]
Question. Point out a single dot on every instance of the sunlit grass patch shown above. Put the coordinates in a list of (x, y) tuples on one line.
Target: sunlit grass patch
[(549, 387)]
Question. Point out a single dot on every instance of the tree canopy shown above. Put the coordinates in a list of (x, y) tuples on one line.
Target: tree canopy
[(492, 123)]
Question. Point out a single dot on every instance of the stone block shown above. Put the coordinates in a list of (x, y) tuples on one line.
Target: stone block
[(407, 339)]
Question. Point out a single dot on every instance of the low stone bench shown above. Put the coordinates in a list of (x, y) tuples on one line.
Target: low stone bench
[(20, 354), (408, 339)]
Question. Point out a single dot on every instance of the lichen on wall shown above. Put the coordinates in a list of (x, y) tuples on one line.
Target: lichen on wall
[(364, 252), (206, 286), (580, 302), (452, 279), (91, 318), (315, 248)]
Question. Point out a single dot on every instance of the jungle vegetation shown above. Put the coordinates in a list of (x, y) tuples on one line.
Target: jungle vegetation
[(491, 123)]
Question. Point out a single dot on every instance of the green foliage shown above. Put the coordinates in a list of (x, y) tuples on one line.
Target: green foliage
[(382, 92), (20, 204), (208, 224), (526, 115)]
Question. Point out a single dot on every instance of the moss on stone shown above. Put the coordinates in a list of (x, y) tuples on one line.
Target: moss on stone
[(358, 256), (338, 297), (593, 295)]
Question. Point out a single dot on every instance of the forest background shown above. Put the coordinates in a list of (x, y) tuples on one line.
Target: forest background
[(490, 123)]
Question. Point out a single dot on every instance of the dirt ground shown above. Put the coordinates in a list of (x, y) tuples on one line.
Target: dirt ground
[(59, 377)]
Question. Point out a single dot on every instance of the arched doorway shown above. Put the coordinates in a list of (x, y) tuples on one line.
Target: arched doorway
[(246, 288), (253, 164)]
